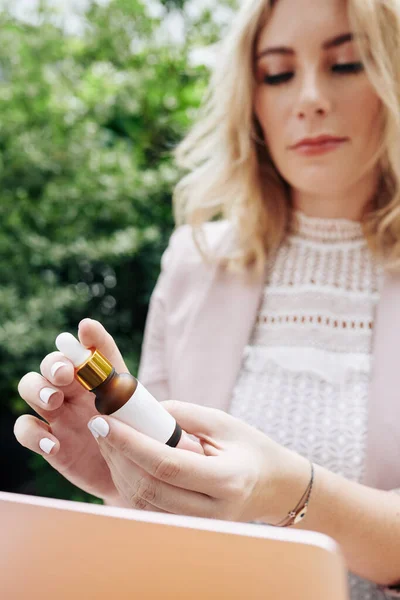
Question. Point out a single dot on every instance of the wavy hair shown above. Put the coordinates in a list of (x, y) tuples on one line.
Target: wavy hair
[(230, 172)]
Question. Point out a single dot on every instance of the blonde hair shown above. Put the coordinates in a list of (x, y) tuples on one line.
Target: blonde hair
[(231, 174)]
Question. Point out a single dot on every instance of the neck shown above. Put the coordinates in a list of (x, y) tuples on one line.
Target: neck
[(351, 204)]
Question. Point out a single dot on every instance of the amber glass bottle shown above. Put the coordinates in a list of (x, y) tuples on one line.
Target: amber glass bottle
[(122, 396)]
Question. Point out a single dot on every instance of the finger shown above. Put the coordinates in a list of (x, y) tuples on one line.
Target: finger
[(200, 421), (144, 492), (34, 434), (92, 334), (124, 473), (180, 468), (57, 369), (60, 372), (170, 498), (215, 428), (39, 394)]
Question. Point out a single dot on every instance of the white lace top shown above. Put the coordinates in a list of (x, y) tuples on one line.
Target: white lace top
[(305, 373)]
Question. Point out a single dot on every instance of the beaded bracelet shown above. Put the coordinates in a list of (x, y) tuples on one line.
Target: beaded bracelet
[(297, 514)]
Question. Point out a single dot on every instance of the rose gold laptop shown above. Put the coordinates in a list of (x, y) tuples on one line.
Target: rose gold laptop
[(60, 550)]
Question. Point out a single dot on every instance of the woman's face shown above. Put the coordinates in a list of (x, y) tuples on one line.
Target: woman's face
[(307, 87)]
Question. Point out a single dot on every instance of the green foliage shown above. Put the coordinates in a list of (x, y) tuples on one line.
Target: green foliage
[(87, 124)]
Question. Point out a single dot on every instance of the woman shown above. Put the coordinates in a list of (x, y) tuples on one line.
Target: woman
[(269, 312)]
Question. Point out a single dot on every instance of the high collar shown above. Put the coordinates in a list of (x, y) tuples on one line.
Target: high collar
[(325, 230)]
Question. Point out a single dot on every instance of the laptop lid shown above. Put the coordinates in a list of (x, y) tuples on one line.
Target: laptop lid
[(64, 550)]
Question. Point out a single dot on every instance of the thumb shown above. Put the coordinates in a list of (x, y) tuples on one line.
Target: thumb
[(201, 421), (92, 334)]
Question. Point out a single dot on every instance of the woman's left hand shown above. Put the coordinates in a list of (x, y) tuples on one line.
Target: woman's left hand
[(242, 476)]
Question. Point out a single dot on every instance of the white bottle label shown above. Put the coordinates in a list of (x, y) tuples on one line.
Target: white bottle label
[(145, 414)]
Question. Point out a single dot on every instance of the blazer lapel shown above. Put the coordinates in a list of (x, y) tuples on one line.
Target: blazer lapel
[(222, 317), (383, 439)]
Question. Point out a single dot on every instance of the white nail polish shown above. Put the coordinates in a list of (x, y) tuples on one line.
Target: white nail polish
[(92, 431), (46, 445), (100, 426), (46, 393), (57, 366)]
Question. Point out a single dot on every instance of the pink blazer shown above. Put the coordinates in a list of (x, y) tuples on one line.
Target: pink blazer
[(200, 319)]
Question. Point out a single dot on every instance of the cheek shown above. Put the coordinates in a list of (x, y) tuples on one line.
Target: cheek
[(272, 116), (361, 110)]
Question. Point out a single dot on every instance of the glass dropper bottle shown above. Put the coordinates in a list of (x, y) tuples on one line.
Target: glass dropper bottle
[(122, 396)]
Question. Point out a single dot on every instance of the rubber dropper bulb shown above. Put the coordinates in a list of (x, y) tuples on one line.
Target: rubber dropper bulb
[(72, 349)]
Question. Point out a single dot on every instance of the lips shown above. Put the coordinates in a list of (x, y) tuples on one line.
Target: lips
[(318, 141)]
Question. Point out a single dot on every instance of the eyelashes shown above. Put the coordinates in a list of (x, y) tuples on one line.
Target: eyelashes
[(343, 69)]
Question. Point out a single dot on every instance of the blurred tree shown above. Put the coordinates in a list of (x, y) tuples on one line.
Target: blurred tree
[(87, 123)]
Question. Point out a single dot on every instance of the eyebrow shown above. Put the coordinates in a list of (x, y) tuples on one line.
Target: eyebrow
[(344, 38)]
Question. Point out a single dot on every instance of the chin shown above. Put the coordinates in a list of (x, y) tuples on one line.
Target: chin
[(326, 180)]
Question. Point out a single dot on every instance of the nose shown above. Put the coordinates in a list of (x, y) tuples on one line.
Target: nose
[(313, 97)]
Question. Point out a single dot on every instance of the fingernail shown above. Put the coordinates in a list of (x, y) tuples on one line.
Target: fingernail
[(187, 442), (85, 319), (46, 445), (99, 426), (46, 393), (57, 366), (92, 431)]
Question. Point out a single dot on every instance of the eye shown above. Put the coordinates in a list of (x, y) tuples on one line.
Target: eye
[(344, 69), (354, 67), (277, 79)]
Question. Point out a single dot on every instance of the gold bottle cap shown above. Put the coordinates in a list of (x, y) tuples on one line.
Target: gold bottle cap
[(94, 371)]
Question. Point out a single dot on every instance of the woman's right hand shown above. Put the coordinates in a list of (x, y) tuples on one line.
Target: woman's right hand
[(67, 411)]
